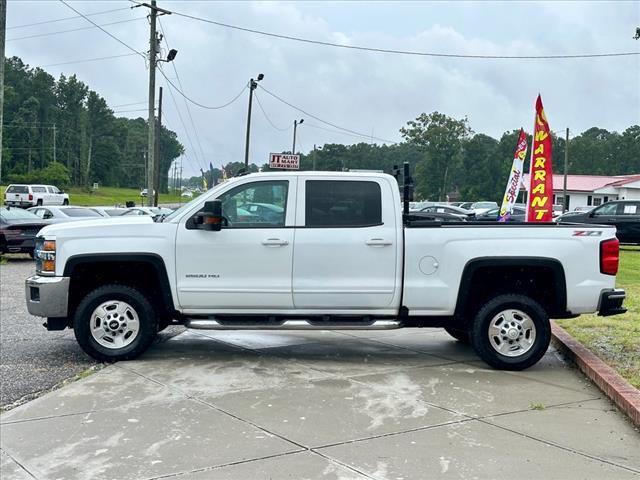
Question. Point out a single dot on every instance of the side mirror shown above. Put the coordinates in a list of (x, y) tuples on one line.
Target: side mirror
[(210, 218), (592, 214)]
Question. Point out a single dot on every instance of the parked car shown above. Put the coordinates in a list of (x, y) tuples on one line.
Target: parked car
[(622, 214), (320, 267), (144, 191), (148, 211), (109, 211), (21, 195), (64, 213), (460, 212), (186, 194), (438, 217), (18, 230), (518, 215), (482, 207), (465, 205), (265, 211)]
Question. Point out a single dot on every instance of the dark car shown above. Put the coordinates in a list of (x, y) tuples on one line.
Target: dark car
[(461, 212), (518, 215), (436, 217), (18, 230), (623, 214)]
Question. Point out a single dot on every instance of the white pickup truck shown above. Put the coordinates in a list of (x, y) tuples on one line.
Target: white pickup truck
[(319, 250)]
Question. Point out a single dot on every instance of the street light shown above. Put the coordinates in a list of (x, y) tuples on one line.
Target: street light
[(295, 127), (253, 84)]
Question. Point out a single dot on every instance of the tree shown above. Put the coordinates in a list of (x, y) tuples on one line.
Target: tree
[(441, 139)]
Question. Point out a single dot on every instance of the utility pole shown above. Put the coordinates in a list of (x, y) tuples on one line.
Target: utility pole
[(54, 143), (153, 46), (253, 84), (3, 29), (314, 157), (565, 207), (295, 128), (156, 172)]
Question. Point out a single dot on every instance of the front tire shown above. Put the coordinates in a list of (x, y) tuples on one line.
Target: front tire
[(115, 322), (511, 332), (65, 202)]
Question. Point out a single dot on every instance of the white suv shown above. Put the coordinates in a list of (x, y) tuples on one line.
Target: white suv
[(20, 195)]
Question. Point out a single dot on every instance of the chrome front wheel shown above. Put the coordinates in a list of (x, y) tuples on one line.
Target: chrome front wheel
[(114, 324)]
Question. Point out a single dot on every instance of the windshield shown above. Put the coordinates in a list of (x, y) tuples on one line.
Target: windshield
[(80, 212), (189, 205), (17, 214)]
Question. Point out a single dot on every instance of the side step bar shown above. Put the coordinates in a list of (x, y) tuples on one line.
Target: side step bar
[(210, 324)]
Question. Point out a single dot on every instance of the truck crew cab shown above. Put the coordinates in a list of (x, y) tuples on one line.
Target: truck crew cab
[(328, 250)]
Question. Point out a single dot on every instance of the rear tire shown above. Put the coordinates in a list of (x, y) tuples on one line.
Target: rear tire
[(511, 332), (65, 202), (115, 322), (39, 203), (459, 334)]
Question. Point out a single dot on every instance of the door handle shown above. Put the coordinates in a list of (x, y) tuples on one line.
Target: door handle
[(275, 242), (378, 242)]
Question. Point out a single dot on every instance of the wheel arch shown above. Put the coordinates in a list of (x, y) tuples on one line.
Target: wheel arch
[(149, 266), (478, 274)]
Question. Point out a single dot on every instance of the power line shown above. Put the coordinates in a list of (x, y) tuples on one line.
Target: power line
[(105, 31), (307, 124), (38, 35), (129, 104), (267, 116), (88, 60), (67, 18), (402, 52), (200, 104), (324, 121)]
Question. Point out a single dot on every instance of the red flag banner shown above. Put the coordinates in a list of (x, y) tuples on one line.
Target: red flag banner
[(540, 203)]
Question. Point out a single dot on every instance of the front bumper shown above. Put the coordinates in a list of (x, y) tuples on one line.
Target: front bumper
[(611, 302), (47, 296)]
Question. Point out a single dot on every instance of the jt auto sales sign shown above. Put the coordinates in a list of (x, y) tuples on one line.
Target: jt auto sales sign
[(284, 161)]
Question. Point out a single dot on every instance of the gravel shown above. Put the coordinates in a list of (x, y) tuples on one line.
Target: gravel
[(32, 359)]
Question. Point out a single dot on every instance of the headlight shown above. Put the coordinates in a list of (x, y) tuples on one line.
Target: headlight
[(45, 255)]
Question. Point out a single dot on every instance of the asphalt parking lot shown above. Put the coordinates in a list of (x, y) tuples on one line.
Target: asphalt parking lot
[(32, 359)]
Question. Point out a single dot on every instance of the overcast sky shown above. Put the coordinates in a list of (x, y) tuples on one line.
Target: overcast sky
[(371, 93)]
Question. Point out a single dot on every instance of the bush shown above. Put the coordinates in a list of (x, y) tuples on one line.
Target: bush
[(53, 174)]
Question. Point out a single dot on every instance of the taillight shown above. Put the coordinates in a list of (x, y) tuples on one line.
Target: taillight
[(609, 256), (30, 197)]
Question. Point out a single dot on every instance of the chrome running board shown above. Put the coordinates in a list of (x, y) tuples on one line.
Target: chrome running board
[(210, 324)]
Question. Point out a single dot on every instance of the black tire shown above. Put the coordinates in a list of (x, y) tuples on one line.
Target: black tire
[(459, 334), (65, 202), (480, 332), (39, 203), (138, 301)]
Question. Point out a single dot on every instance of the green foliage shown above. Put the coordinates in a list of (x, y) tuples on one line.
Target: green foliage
[(93, 144), (53, 174)]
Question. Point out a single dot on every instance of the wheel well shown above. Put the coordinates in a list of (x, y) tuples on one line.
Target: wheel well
[(541, 279), (147, 275)]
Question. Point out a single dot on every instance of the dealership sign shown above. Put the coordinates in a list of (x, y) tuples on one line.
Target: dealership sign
[(283, 160)]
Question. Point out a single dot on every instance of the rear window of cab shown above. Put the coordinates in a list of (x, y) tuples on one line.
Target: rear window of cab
[(17, 189)]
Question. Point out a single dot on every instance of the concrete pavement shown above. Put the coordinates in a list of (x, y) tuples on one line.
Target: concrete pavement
[(403, 404)]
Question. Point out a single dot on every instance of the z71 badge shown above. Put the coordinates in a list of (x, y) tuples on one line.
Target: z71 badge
[(587, 233)]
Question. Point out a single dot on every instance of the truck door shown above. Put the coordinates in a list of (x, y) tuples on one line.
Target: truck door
[(346, 244), (247, 265)]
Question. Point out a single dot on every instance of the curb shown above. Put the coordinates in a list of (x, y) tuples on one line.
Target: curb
[(621, 392)]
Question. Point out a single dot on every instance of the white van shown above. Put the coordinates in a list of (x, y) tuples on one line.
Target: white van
[(21, 195)]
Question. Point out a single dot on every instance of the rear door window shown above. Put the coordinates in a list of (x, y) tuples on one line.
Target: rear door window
[(338, 203), (39, 190), (630, 209)]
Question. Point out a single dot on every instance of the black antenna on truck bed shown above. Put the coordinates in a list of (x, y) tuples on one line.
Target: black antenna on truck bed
[(407, 189)]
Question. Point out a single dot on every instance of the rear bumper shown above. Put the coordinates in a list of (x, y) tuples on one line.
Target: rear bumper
[(611, 303), (47, 296), (14, 203)]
